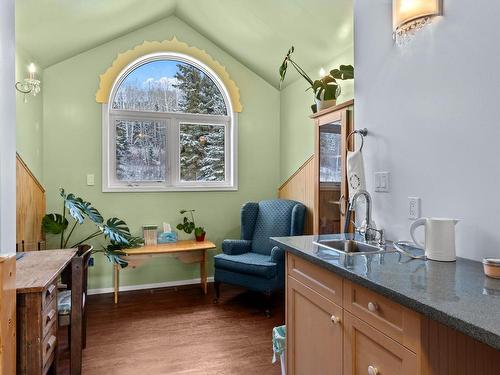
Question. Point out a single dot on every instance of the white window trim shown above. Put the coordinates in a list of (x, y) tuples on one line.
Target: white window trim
[(173, 183)]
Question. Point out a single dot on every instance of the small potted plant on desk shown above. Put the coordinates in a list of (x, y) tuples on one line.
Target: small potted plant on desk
[(188, 226)]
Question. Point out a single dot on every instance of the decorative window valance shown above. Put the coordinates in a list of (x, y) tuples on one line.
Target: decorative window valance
[(124, 59)]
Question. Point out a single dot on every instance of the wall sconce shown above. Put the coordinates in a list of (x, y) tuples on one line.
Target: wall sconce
[(409, 16), (30, 85)]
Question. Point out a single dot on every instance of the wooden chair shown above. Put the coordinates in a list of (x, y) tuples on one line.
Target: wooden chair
[(71, 306), (23, 246)]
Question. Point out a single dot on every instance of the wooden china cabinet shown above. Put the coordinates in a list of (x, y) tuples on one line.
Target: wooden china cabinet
[(332, 127)]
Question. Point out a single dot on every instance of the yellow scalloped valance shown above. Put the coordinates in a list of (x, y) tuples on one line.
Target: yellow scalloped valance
[(123, 59)]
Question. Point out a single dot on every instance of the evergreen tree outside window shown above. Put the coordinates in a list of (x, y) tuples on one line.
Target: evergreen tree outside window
[(169, 127)]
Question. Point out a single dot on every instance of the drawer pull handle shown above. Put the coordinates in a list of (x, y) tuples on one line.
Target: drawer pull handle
[(372, 306), (50, 315), (50, 343), (372, 370), (50, 290), (335, 319)]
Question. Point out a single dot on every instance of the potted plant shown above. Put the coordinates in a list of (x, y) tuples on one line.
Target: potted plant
[(326, 89), (188, 226), (115, 230)]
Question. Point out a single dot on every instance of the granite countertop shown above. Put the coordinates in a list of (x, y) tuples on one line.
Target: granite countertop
[(457, 294)]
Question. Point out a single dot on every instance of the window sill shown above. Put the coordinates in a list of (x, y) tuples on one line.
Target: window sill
[(153, 189)]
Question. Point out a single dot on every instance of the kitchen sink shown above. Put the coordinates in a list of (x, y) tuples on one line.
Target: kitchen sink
[(351, 247)]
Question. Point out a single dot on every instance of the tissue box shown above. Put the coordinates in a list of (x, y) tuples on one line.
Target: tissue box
[(167, 237)]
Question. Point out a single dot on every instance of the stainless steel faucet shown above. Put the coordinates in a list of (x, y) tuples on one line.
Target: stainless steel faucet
[(368, 232)]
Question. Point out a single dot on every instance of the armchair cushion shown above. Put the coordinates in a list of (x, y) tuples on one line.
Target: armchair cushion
[(64, 302), (248, 263), (274, 220), (235, 247)]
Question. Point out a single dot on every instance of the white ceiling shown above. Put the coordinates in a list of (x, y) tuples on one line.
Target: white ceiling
[(256, 32)]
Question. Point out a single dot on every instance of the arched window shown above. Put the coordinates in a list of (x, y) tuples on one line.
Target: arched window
[(169, 125)]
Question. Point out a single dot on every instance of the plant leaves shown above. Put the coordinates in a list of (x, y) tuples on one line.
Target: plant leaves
[(116, 230), (284, 64), (114, 254), (54, 223), (343, 72), (91, 212), (328, 79), (330, 92), (316, 85), (133, 242), (75, 206)]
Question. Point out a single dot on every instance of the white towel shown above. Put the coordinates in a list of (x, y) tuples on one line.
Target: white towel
[(355, 172)]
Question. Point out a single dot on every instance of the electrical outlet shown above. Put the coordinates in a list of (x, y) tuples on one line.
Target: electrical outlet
[(382, 182), (90, 180), (91, 262), (413, 208)]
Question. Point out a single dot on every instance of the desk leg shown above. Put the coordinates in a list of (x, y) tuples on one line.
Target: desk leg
[(117, 281), (203, 271)]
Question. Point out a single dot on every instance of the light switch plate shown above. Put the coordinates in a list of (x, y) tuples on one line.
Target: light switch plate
[(382, 182), (90, 180)]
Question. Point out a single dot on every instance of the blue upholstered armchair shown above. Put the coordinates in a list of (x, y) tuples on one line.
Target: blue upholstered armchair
[(252, 262)]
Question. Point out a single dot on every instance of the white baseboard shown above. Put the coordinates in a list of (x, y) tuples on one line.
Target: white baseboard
[(165, 284)]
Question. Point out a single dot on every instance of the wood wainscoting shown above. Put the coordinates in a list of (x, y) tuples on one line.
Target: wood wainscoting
[(300, 187), (30, 209)]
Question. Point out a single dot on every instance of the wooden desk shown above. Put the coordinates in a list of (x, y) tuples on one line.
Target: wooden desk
[(37, 274), (187, 251)]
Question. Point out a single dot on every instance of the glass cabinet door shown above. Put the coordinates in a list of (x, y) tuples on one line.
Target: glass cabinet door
[(330, 177)]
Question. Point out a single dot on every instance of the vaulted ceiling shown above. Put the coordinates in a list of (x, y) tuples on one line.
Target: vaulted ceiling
[(256, 32)]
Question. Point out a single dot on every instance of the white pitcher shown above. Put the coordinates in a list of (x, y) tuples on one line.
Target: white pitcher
[(439, 238)]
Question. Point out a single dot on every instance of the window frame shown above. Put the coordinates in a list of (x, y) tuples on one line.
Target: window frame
[(172, 122)]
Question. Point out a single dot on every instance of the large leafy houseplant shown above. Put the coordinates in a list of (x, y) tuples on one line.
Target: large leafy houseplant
[(114, 230), (326, 88)]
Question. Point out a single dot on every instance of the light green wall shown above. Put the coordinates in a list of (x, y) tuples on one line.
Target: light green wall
[(296, 128), (29, 118), (72, 145)]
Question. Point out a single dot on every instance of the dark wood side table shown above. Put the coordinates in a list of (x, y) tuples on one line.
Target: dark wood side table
[(37, 274)]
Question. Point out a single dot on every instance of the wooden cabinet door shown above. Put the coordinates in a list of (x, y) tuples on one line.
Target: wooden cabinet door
[(314, 332), (369, 352), (331, 191)]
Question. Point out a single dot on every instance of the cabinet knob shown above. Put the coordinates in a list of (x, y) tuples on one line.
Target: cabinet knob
[(372, 306), (335, 319), (372, 370)]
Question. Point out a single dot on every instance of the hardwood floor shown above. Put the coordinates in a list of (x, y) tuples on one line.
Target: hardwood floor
[(178, 331)]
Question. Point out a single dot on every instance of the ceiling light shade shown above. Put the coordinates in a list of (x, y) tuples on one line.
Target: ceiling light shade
[(411, 15)]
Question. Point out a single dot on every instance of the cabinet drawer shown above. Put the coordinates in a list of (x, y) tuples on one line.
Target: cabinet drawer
[(320, 280), (49, 316), (49, 345), (368, 351), (48, 294), (314, 332), (392, 319)]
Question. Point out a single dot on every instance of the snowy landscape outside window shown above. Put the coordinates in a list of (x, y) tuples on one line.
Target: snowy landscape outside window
[(169, 126)]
